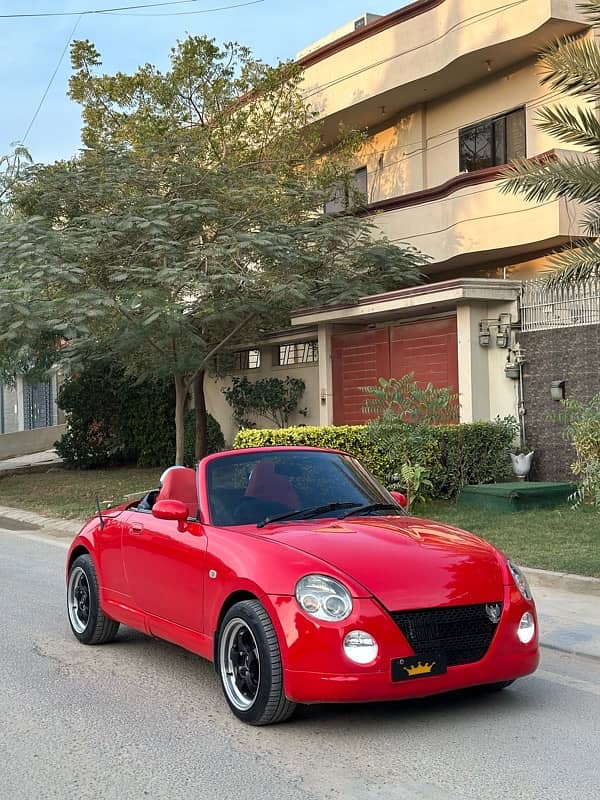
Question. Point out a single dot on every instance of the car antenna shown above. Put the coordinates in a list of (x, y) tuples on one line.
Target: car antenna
[(100, 517)]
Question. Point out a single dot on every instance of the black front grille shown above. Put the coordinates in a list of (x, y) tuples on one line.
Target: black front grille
[(462, 634)]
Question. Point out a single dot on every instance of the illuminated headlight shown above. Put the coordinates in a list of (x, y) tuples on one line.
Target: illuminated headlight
[(526, 629), (323, 598), (360, 647), (520, 580)]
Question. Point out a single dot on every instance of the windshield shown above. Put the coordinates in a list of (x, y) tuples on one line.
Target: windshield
[(251, 488)]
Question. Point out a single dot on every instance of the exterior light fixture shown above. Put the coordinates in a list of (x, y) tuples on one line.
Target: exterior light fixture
[(557, 390)]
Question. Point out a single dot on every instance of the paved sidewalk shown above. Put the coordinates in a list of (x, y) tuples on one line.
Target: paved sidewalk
[(47, 458), (568, 605)]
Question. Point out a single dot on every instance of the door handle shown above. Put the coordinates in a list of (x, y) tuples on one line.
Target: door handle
[(137, 528)]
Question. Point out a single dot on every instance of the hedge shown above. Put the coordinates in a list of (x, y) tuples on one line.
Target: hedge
[(113, 419), (465, 454)]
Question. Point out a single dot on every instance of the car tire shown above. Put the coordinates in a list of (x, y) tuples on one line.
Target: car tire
[(87, 620), (249, 666), (497, 687)]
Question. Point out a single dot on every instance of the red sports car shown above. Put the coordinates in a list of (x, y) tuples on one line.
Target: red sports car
[(304, 581)]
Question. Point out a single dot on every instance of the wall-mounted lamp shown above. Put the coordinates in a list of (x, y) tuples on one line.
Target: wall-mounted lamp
[(557, 390)]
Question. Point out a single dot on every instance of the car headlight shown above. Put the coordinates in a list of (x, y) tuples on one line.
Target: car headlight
[(323, 598), (520, 580)]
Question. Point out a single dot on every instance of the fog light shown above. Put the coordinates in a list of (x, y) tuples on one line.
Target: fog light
[(360, 647), (526, 629)]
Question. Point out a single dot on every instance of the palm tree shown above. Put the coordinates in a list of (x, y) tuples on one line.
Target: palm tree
[(570, 66)]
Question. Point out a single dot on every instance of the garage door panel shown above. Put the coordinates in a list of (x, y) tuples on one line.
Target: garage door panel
[(427, 348)]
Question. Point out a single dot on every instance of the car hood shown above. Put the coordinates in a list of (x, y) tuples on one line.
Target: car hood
[(405, 562)]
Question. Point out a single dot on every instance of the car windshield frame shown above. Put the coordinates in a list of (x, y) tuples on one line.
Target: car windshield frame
[(292, 480)]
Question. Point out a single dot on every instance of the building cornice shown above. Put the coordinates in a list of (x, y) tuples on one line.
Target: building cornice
[(445, 189), (373, 28), (430, 297)]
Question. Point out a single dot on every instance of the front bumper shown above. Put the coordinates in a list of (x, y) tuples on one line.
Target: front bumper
[(316, 670)]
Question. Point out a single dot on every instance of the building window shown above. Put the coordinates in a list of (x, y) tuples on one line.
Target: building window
[(297, 353), (246, 359), (346, 195), (493, 142)]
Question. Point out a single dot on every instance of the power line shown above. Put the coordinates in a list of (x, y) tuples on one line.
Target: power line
[(185, 13), (51, 81), (115, 9)]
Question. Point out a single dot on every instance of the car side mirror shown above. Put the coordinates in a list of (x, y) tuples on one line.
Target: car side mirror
[(400, 499), (171, 509)]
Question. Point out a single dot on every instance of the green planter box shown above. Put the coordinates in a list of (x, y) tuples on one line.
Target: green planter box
[(516, 496)]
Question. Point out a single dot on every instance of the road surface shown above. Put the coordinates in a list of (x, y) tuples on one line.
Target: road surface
[(144, 719)]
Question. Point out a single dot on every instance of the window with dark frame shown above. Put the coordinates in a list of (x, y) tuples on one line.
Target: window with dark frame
[(493, 142), (344, 196), (246, 359), (298, 353)]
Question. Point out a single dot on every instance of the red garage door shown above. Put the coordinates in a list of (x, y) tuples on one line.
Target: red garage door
[(427, 348), (359, 359)]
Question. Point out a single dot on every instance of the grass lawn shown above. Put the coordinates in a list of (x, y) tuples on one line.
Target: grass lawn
[(562, 540), (72, 493), (565, 540)]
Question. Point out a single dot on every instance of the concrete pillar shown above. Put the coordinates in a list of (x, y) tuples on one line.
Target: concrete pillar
[(325, 376), (473, 372)]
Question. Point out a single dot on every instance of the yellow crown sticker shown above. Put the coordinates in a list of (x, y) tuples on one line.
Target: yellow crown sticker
[(420, 668)]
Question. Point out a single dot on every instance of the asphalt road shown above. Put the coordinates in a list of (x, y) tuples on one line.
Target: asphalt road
[(143, 719)]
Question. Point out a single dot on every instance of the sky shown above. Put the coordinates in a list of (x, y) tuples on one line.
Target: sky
[(31, 49)]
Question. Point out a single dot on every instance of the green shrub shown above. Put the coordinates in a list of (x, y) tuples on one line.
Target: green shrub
[(272, 398), (112, 419), (457, 454), (582, 421)]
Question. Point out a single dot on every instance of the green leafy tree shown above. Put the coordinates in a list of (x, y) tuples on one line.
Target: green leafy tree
[(188, 220), (572, 67)]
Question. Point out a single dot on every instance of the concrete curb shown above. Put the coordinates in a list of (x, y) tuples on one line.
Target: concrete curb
[(48, 525), (539, 578), (566, 582)]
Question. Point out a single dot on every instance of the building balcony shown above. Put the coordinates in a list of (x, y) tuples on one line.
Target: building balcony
[(424, 51), (468, 221)]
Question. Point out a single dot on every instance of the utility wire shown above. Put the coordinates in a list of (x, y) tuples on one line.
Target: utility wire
[(184, 13), (21, 15), (51, 81)]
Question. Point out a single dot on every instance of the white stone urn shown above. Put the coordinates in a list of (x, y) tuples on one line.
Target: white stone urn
[(521, 464)]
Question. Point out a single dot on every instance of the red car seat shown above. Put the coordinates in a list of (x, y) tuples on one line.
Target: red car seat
[(180, 484), (266, 484)]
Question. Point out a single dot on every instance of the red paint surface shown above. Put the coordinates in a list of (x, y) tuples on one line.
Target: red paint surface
[(174, 584)]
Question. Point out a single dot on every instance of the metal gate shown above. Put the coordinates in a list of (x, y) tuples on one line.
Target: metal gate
[(37, 400)]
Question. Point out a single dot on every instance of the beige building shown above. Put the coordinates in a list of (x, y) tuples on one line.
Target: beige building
[(448, 91)]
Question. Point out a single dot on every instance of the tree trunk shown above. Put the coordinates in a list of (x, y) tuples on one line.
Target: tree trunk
[(181, 393), (201, 446)]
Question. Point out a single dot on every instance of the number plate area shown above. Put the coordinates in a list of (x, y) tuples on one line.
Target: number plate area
[(412, 667)]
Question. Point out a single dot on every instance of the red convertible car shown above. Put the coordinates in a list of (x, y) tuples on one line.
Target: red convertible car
[(304, 581)]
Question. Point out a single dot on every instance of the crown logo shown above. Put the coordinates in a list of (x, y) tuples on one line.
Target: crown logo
[(420, 668)]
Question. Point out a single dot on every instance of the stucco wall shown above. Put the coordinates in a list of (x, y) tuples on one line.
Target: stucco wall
[(570, 354), (23, 443), (218, 406), (420, 150), (458, 35)]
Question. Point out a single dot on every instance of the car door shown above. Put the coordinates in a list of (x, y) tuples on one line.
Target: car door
[(164, 568)]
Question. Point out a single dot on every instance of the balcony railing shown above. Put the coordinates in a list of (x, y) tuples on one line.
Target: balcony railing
[(545, 307)]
